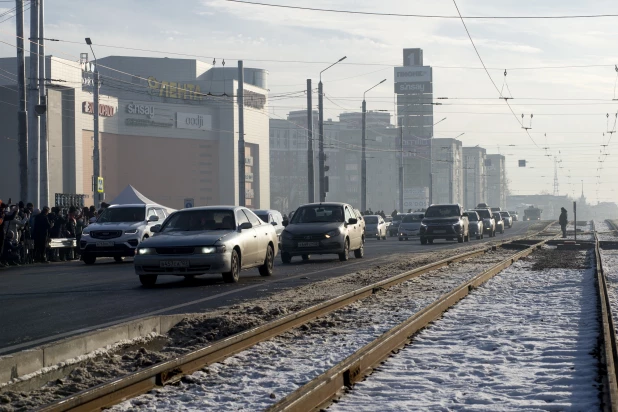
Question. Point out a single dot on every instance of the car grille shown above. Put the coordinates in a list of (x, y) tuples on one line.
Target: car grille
[(105, 234), (157, 269), (175, 250), (309, 237)]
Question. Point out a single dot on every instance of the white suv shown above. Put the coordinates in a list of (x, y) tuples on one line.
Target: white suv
[(119, 230)]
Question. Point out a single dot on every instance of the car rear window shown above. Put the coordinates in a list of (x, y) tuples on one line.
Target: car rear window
[(484, 213), (473, 217), (505, 214), (372, 220)]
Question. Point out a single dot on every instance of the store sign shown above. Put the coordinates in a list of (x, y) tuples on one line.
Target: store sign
[(415, 198), (413, 74), (253, 99), (411, 87), (249, 177), (412, 57), (193, 121), (174, 90), (146, 123), (104, 109), (143, 109)]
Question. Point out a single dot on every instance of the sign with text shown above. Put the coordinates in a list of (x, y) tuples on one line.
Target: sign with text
[(413, 57), (415, 198), (413, 74), (411, 87), (104, 109), (193, 121), (100, 187)]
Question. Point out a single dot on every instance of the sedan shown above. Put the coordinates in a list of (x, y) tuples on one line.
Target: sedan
[(499, 222), (475, 224), (508, 219), (410, 225), (375, 227), (213, 239)]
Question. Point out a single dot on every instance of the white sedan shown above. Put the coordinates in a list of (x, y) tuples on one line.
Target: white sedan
[(375, 227), (213, 239)]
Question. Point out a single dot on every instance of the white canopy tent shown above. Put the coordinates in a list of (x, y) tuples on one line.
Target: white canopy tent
[(130, 196)]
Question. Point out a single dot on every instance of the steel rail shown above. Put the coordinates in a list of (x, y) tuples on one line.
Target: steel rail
[(110, 393), (321, 391), (609, 353)]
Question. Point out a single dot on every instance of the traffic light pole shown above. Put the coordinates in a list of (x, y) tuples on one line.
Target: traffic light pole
[(364, 161), (310, 172), (321, 142)]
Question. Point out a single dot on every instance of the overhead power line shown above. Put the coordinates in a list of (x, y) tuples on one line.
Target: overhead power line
[(428, 16)]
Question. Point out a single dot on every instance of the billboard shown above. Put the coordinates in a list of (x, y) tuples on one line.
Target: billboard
[(415, 198), (413, 57), (410, 87)]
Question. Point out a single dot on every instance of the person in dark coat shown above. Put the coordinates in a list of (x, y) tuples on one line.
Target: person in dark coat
[(42, 226), (6, 216), (563, 220)]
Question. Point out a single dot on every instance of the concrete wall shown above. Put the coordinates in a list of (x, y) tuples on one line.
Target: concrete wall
[(474, 176)]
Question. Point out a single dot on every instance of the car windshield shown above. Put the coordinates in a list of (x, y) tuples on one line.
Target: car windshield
[(412, 218), (473, 217), (200, 220), (484, 213), (318, 214), (497, 216), (123, 214), (442, 211), (263, 216), (372, 220)]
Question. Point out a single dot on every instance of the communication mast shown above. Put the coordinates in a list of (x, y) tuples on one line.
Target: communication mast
[(555, 176)]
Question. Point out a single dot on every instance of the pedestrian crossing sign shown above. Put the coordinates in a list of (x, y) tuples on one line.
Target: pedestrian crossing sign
[(100, 185)]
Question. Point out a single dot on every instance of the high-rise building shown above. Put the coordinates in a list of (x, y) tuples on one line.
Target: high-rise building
[(446, 171), (496, 180), (414, 89), (475, 185)]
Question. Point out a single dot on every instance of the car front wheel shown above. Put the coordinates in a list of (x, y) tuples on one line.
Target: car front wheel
[(269, 262), (346, 251), (286, 257), (148, 280), (89, 259), (423, 241), (234, 273), (360, 252)]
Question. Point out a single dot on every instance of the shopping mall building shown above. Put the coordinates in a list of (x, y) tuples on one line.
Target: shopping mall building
[(169, 127)]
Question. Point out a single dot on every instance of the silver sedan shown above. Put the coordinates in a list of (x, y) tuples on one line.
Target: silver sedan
[(213, 239)]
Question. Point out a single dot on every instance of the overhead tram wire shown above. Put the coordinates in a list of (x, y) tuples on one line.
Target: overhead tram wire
[(428, 16), (486, 71)]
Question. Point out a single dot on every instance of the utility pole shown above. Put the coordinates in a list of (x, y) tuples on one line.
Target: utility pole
[(241, 134), (364, 156), (401, 166), (22, 114), (33, 101), (321, 143), (96, 154), (44, 155), (310, 173), (321, 132)]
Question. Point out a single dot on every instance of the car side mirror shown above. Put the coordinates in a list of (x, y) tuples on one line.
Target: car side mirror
[(352, 221), (153, 218), (465, 215), (245, 225), (155, 229), (274, 223), (286, 223)]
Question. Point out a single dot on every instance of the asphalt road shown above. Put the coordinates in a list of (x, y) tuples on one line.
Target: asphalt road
[(42, 303)]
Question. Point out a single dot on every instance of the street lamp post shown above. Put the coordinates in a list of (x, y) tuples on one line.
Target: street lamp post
[(321, 131), (364, 157), (96, 163)]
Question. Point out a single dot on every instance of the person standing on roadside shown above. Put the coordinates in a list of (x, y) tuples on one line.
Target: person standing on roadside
[(40, 235), (563, 220)]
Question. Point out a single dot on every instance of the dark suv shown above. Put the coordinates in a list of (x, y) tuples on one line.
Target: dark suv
[(448, 221)]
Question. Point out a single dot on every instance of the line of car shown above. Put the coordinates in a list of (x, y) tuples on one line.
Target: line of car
[(229, 239)]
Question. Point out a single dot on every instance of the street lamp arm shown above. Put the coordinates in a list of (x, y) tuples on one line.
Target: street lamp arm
[(338, 61), (373, 87)]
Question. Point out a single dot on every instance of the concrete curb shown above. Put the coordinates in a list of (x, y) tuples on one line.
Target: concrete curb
[(17, 365)]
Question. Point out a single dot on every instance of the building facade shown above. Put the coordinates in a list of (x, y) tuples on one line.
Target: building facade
[(446, 170), (496, 180), (475, 185), (169, 127)]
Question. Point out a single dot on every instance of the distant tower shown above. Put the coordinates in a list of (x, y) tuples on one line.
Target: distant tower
[(556, 176)]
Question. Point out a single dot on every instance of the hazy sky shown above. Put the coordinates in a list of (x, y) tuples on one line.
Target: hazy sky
[(569, 104)]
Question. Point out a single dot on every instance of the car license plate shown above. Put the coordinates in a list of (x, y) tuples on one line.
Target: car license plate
[(308, 244), (439, 231), (105, 244), (174, 264)]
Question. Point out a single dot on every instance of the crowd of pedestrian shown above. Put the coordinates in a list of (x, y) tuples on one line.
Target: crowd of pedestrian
[(26, 232)]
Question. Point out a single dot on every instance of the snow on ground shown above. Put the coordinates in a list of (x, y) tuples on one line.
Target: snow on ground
[(609, 258), (523, 341), (604, 231), (245, 382)]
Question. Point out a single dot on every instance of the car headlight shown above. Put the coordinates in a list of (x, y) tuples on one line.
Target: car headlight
[(286, 235), (130, 232), (206, 250), (333, 233), (86, 233), (146, 251), (423, 225)]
